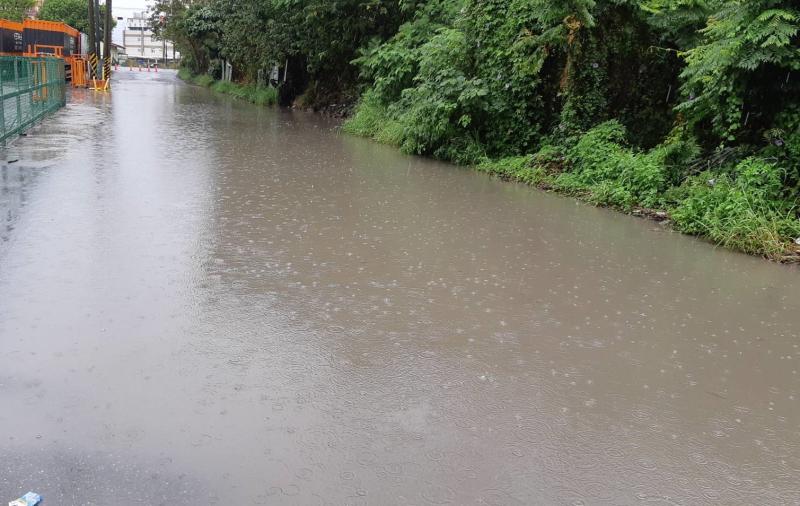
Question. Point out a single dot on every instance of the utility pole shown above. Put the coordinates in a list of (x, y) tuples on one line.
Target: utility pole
[(141, 37), (107, 42), (97, 27), (92, 32)]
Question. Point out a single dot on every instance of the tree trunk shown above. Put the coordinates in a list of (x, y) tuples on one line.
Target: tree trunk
[(90, 50), (107, 34), (96, 26)]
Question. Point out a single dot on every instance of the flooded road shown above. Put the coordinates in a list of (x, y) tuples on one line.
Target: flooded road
[(204, 302)]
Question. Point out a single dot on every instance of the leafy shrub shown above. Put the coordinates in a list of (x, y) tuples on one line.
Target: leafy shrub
[(392, 65), (518, 168), (789, 124), (614, 174), (203, 80), (184, 74), (223, 87), (437, 115), (745, 213), (761, 178), (371, 119), (784, 145), (677, 154), (422, 119), (258, 95), (550, 158)]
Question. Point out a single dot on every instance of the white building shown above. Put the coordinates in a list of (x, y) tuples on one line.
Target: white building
[(140, 44)]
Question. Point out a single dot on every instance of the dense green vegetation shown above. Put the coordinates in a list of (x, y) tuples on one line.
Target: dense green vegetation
[(72, 12), (15, 10), (687, 106)]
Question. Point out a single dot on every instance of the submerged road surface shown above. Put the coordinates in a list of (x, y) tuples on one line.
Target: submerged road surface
[(205, 302)]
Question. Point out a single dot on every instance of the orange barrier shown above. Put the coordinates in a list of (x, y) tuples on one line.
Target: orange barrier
[(79, 70), (39, 76), (44, 50), (101, 84)]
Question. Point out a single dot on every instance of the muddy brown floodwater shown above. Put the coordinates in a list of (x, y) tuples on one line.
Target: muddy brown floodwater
[(204, 302)]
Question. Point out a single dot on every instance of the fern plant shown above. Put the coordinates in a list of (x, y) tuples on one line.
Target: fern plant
[(747, 47)]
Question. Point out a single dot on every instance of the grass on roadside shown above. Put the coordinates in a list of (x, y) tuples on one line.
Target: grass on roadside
[(371, 119), (258, 95)]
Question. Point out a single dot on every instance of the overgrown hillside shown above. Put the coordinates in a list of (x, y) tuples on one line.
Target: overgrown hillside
[(687, 106)]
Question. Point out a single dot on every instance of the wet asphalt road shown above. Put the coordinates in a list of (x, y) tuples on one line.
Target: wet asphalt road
[(204, 302)]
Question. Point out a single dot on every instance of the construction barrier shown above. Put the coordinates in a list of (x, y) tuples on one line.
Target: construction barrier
[(30, 88), (100, 84), (77, 71)]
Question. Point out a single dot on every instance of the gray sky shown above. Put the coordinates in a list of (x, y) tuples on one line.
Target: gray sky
[(129, 5)]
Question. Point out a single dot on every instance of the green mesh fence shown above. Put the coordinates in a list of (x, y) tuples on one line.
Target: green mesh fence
[(30, 88)]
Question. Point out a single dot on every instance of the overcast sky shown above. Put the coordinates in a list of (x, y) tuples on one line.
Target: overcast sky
[(129, 5)]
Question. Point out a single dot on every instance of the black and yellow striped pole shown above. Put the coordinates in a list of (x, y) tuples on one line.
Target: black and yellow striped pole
[(92, 65), (107, 68)]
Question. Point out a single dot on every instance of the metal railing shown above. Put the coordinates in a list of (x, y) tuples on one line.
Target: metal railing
[(30, 88)]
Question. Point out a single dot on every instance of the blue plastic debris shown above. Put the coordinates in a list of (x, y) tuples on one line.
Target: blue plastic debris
[(29, 499)]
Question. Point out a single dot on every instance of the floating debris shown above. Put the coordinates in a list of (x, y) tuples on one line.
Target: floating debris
[(29, 499)]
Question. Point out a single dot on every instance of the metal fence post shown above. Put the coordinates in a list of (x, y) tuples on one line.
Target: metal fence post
[(2, 107), (34, 72), (19, 102)]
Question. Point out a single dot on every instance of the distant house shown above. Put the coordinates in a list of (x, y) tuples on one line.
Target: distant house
[(117, 52), (140, 43)]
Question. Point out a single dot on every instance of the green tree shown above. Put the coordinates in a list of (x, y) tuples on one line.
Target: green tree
[(194, 28), (739, 78), (15, 9), (72, 12)]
